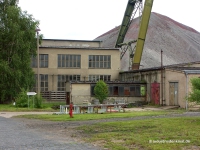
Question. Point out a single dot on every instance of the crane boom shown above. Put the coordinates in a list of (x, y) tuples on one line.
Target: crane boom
[(142, 34), (126, 21)]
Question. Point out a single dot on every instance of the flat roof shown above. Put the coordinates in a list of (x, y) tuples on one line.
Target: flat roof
[(72, 40), (73, 47)]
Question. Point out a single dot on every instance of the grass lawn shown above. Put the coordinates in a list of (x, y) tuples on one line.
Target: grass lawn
[(13, 108), (181, 133), (150, 134), (81, 117)]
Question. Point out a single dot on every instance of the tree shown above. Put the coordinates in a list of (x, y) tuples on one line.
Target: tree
[(17, 45), (101, 91), (194, 96)]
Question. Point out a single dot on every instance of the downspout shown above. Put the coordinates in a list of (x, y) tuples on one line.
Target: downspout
[(186, 102), (161, 71)]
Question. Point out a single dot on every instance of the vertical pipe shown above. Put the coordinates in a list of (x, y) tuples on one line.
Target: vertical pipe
[(38, 75), (161, 78), (186, 102)]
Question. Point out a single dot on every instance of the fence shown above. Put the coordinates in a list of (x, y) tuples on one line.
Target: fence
[(100, 108), (54, 95)]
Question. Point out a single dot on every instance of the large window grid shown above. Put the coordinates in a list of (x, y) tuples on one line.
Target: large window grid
[(100, 61), (69, 61), (43, 83), (44, 60), (99, 77), (63, 78)]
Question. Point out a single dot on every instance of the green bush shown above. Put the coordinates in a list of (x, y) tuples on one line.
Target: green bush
[(22, 99), (28, 101), (37, 101), (101, 91), (194, 95)]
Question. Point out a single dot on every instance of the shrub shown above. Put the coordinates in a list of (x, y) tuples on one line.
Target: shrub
[(38, 99), (194, 96), (22, 99), (101, 90)]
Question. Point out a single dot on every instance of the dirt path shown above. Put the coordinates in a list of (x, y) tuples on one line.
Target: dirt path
[(63, 129)]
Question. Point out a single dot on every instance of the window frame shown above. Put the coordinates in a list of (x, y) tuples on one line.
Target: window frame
[(99, 61), (68, 61)]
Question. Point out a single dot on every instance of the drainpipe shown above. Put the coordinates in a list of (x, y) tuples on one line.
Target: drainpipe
[(161, 78), (186, 102)]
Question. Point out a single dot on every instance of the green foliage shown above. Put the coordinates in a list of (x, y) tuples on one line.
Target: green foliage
[(101, 90), (17, 44), (23, 100), (194, 96), (38, 101), (142, 89)]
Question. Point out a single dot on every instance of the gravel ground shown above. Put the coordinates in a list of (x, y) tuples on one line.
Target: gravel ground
[(66, 130), (21, 133)]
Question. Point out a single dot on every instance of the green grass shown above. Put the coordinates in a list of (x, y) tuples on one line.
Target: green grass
[(126, 135), (13, 108), (81, 117)]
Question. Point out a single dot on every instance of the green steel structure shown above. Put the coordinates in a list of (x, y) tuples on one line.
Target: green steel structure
[(131, 6), (142, 34)]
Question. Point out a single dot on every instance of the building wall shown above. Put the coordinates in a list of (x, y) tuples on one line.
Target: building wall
[(53, 71), (71, 43), (148, 77), (178, 77), (81, 92)]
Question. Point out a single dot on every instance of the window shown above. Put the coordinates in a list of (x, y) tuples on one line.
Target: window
[(43, 83), (126, 90), (99, 61), (63, 78), (134, 90), (69, 61), (99, 77), (115, 90), (44, 60)]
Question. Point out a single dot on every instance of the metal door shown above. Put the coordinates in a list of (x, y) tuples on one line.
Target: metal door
[(155, 93), (173, 93)]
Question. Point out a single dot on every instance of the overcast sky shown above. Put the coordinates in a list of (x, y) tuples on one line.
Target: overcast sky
[(88, 19)]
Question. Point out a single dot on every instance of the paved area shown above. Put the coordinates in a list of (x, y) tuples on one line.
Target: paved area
[(11, 114), (31, 134), (15, 135)]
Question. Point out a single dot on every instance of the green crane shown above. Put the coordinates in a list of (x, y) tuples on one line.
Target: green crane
[(131, 6)]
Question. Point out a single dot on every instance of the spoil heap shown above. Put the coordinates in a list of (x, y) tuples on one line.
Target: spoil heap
[(180, 43)]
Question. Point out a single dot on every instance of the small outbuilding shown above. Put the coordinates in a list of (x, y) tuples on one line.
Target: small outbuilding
[(167, 85)]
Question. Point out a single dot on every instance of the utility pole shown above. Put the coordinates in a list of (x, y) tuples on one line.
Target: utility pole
[(38, 62)]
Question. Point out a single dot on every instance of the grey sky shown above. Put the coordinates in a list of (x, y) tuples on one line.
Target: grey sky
[(86, 20)]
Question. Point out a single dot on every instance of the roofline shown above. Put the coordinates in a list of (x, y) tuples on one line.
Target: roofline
[(73, 40), (191, 71), (159, 68), (86, 48), (107, 82)]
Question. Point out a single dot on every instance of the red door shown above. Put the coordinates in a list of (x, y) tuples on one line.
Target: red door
[(155, 93)]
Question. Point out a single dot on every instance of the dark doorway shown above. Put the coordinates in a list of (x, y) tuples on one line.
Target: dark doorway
[(67, 98)]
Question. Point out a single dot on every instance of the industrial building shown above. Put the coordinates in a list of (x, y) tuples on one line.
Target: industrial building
[(73, 60)]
